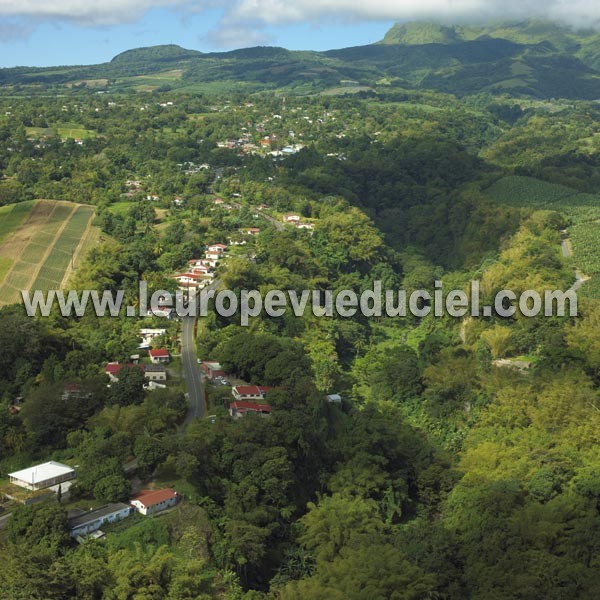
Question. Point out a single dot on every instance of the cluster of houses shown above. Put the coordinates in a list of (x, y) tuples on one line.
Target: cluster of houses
[(200, 271), (249, 399), (297, 222), (152, 373), (149, 502), (51, 476)]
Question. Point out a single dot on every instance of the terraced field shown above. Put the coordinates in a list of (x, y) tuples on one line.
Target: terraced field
[(39, 249), (583, 211)]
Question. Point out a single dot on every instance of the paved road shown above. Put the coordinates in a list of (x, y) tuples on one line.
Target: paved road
[(278, 225), (191, 371)]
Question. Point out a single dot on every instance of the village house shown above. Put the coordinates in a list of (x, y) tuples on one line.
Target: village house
[(304, 225), (250, 231), (213, 255), (216, 248), (249, 392), (149, 502), (187, 279), (291, 218), (212, 369), (89, 521), (241, 408), (155, 372), (210, 262), (113, 369), (196, 263), (159, 356), (151, 372), (148, 335)]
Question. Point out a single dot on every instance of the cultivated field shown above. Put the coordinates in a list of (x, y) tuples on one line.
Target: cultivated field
[(40, 243), (583, 211)]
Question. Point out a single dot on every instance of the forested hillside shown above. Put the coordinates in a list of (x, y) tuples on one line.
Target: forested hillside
[(530, 58)]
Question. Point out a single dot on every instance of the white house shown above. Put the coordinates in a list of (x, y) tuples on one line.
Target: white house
[(90, 521), (155, 372), (304, 225), (291, 218), (150, 502), (187, 279), (217, 248), (159, 356)]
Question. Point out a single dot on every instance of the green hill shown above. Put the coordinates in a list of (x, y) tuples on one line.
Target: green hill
[(160, 54), (530, 58)]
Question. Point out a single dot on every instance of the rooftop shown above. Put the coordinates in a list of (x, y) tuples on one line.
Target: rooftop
[(242, 406), (251, 390), (39, 473), (93, 515), (115, 368), (152, 497), (159, 352)]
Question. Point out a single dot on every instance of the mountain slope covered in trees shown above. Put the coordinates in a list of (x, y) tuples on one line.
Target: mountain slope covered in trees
[(530, 58)]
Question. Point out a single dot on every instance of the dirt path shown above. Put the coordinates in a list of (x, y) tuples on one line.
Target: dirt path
[(82, 242), (567, 252)]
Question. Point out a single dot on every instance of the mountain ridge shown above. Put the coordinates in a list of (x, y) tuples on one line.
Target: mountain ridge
[(530, 58)]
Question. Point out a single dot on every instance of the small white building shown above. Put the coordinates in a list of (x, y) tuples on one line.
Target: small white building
[(42, 476), (159, 356), (92, 520), (334, 398), (216, 248), (155, 373), (150, 502)]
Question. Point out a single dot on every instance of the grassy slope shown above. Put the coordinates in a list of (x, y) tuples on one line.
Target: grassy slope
[(583, 211)]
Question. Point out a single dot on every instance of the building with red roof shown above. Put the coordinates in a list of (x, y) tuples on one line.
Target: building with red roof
[(150, 502), (241, 408), (250, 393), (159, 355), (113, 369)]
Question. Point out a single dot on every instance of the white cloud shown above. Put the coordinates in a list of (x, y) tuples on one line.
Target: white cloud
[(244, 21), (100, 12), (573, 12), (238, 35)]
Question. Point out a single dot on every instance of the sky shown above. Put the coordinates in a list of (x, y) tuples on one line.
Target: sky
[(62, 32)]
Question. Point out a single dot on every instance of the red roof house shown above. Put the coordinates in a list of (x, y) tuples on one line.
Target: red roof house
[(159, 355), (150, 502), (113, 369), (250, 392), (241, 408)]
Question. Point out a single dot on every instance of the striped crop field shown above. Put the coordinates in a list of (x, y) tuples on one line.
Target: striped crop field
[(582, 210), (41, 243)]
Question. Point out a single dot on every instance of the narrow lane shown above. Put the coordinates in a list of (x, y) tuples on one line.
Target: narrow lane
[(191, 371)]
